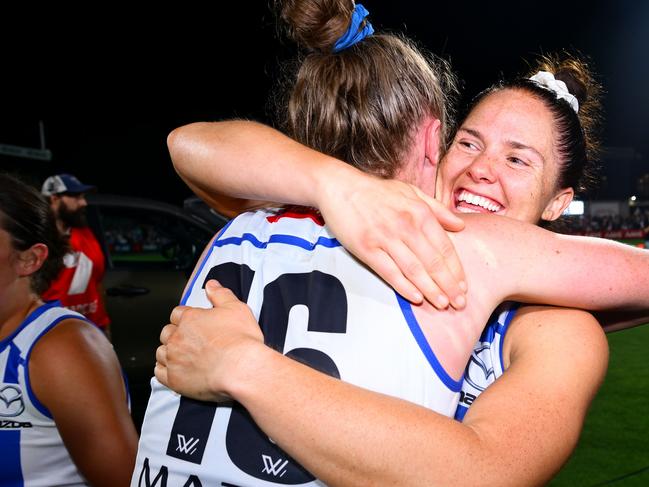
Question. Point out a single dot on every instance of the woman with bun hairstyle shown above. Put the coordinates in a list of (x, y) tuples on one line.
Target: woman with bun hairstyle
[(508, 158)]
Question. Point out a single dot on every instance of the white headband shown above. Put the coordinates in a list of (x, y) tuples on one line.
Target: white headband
[(548, 81)]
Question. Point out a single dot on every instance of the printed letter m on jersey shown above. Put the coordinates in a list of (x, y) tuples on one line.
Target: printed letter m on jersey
[(145, 476)]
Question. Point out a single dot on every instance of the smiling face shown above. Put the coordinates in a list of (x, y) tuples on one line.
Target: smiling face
[(503, 161)]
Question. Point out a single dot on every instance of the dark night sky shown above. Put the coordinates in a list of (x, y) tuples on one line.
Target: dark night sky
[(111, 85)]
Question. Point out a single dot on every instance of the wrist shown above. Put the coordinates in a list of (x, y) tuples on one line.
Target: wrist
[(329, 179), (247, 372)]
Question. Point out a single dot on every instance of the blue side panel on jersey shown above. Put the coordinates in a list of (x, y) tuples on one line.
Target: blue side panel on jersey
[(489, 332), (12, 474), (510, 316), (14, 360), (415, 329), (460, 412)]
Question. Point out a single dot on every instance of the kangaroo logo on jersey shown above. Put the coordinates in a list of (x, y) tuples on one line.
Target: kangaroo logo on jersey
[(274, 468), (479, 370), (11, 401)]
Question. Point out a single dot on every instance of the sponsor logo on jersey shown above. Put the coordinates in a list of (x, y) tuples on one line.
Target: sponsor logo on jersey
[(191, 430), (14, 424), (187, 446), (275, 468), (467, 398), (11, 401), (479, 370)]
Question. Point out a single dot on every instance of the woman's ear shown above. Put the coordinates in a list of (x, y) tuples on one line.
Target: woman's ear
[(558, 204), (426, 168), (433, 141), (31, 260)]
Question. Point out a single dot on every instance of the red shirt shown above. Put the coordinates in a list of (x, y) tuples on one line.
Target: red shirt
[(77, 285)]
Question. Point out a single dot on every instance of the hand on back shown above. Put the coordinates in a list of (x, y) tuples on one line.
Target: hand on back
[(203, 349), (400, 233)]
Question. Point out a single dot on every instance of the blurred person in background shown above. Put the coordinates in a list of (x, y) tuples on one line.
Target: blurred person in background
[(78, 285)]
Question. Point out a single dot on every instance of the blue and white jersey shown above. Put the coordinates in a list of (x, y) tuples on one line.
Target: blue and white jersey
[(486, 362), (315, 303), (32, 453)]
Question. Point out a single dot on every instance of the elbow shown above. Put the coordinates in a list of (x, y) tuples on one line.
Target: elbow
[(183, 145), (177, 144)]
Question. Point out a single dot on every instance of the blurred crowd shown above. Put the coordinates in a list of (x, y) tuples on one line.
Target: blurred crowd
[(638, 220)]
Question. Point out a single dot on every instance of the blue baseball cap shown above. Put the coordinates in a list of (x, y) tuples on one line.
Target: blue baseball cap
[(64, 183)]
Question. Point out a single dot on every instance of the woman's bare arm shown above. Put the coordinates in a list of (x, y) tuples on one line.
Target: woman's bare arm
[(538, 266), (405, 243), (525, 425), (74, 372), (247, 160)]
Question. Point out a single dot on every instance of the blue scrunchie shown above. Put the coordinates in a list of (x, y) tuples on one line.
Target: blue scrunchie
[(353, 35)]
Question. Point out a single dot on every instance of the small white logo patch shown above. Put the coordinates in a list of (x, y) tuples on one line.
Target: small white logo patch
[(274, 468), (185, 446)]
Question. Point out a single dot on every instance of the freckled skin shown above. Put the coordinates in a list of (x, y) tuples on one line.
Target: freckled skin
[(482, 160)]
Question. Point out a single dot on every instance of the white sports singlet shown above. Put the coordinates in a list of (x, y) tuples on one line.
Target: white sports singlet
[(486, 362), (32, 453), (315, 303)]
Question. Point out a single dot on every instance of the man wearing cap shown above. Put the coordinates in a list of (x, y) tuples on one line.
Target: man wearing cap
[(78, 286)]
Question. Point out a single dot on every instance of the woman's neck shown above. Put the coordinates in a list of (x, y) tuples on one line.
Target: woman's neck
[(16, 305)]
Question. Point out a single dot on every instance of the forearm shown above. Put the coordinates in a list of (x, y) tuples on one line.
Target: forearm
[(538, 266), (525, 424), (251, 161), (346, 435), (598, 274)]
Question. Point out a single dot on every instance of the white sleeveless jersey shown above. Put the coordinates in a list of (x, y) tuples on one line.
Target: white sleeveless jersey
[(316, 304), (32, 453), (486, 362)]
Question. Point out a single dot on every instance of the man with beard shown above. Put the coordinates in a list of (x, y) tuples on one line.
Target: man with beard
[(78, 285)]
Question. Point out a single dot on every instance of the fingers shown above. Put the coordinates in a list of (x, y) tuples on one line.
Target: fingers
[(161, 355), (432, 246), (160, 372), (385, 267), (219, 295), (449, 220), (166, 333), (446, 247), (442, 262), (176, 314), (414, 270)]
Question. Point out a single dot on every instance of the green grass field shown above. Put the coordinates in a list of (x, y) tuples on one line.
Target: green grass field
[(614, 446)]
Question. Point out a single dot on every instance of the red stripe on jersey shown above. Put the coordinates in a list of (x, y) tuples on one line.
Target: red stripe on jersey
[(299, 213)]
